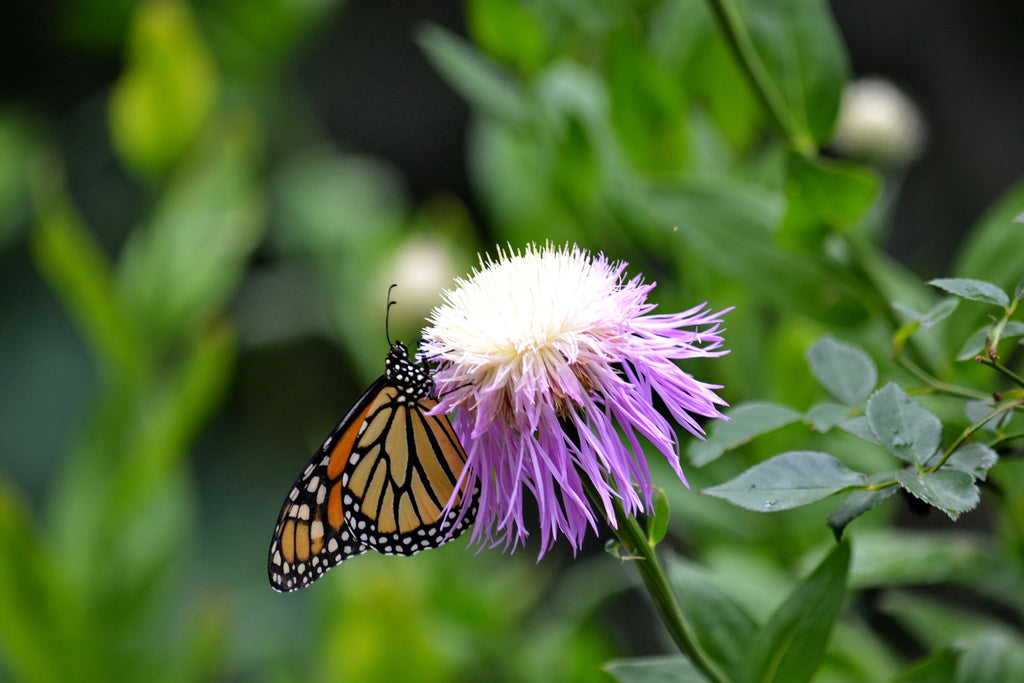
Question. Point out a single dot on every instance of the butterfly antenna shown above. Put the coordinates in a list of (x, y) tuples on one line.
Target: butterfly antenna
[(387, 314)]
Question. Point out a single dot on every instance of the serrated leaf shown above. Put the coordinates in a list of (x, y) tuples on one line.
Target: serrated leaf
[(975, 290), (903, 426), (974, 458), (859, 427), (664, 669), (857, 503), (791, 646), (724, 631), (845, 370), (974, 345), (950, 490), (746, 421), (825, 416), (787, 481), (978, 410), (933, 315)]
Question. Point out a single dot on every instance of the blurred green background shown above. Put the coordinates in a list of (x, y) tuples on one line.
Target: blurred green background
[(202, 205)]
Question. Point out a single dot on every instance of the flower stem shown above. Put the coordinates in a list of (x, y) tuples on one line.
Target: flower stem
[(735, 33), (682, 631)]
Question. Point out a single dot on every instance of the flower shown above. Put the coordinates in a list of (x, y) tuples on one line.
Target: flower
[(547, 355), (878, 121)]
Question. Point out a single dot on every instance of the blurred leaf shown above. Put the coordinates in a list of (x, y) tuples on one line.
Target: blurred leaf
[(975, 290), (824, 193), (903, 426), (924, 558), (974, 458), (184, 265), (745, 422), (787, 481), (936, 668), (803, 50), (39, 616), (647, 110), (859, 502), (175, 415), (69, 257), (725, 632), (261, 36), (825, 416), (974, 344), (509, 31), (791, 646), (662, 669), (160, 103), (993, 658), (845, 370), (657, 522), (481, 82), (929, 318), (951, 490), (19, 143), (991, 251), (728, 228)]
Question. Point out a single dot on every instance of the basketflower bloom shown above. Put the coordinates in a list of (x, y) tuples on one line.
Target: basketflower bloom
[(551, 361)]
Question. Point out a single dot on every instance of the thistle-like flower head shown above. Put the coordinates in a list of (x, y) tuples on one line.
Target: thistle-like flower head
[(551, 361)]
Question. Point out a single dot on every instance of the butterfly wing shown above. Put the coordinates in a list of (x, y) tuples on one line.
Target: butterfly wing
[(311, 535), (403, 470)]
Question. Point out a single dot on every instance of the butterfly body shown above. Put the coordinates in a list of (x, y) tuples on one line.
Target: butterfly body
[(382, 479)]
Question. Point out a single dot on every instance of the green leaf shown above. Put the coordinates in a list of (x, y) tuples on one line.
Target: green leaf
[(657, 522), (975, 290), (924, 558), (994, 658), (929, 318), (992, 248), (160, 103), (937, 668), (746, 421), (724, 631), (476, 78), (825, 416), (951, 490), (189, 259), (791, 646), (509, 31), (663, 669), (846, 371), (974, 344), (903, 426), (975, 411), (804, 52), (647, 110), (787, 481), (824, 193), (974, 458), (859, 427), (857, 503)]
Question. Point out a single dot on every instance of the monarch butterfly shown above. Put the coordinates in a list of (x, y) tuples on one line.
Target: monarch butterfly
[(381, 480)]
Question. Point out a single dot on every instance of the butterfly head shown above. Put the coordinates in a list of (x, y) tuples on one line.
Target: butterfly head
[(412, 379)]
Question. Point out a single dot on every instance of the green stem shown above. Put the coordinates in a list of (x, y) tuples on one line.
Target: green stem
[(731, 25), (637, 545), (938, 385), (999, 367)]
